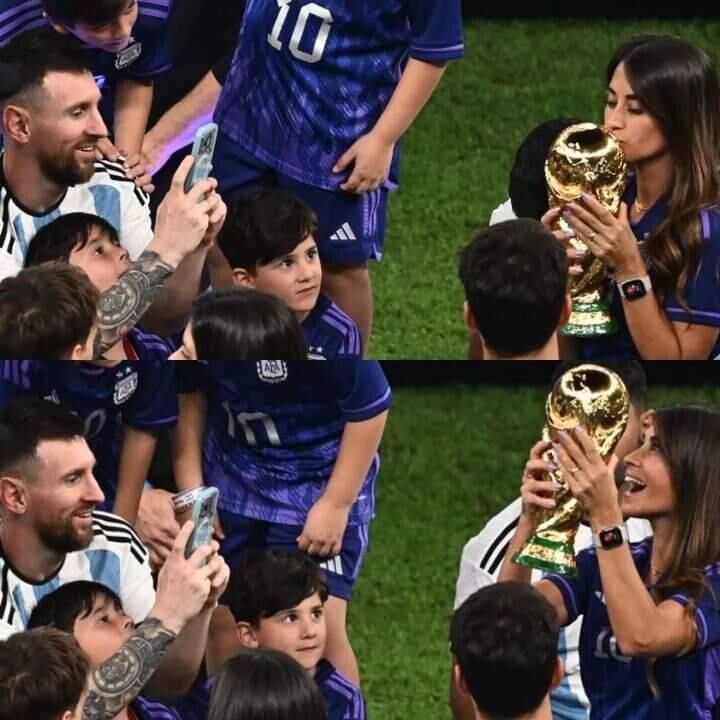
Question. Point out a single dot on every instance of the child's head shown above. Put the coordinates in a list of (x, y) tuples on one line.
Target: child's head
[(103, 24), (265, 685), (91, 612), (85, 241), (44, 676), (515, 279), (241, 324), (269, 240), (48, 312), (277, 599)]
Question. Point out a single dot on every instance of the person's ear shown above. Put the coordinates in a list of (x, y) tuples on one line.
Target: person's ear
[(246, 635), (558, 674), (13, 495), (468, 317), (566, 310), (56, 25), (647, 419), (243, 278), (459, 680), (16, 123)]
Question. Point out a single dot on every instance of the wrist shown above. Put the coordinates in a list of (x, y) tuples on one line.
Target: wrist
[(338, 502), (633, 269), (605, 517), (167, 619), (165, 250)]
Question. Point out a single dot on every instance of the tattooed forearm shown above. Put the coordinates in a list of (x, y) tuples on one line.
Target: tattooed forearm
[(119, 680), (127, 300)]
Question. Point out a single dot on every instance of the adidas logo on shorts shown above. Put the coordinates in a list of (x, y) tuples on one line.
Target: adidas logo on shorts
[(344, 233)]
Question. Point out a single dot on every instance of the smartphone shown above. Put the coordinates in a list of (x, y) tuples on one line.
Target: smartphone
[(202, 152), (203, 514)]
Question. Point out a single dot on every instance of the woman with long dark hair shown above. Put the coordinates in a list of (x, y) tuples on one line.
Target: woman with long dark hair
[(663, 249), (650, 638)]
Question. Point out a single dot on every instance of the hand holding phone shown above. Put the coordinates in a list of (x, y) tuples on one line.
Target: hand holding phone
[(203, 514), (202, 153)]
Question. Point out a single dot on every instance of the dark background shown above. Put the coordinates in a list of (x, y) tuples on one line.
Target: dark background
[(628, 9)]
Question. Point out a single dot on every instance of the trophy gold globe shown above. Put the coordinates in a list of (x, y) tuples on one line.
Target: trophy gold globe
[(586, 158), (597, 399)]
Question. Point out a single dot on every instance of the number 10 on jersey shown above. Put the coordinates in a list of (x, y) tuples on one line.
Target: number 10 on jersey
[(306, 12)]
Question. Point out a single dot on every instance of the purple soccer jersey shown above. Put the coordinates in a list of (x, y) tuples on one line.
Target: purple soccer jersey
[(343, 700), (140, 394), (616, 684), (274, 429), (309, 78), (330, 333)]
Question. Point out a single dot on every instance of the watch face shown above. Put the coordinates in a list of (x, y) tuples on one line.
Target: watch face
[(633, 289), (610, 537)]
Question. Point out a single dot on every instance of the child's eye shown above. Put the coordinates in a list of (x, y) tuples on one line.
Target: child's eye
[(609, 102), (104, 618), (312, 254), (291, 618), (636, 110), (317, 614), (286, 262)]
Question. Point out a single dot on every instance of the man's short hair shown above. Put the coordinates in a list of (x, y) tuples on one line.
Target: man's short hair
[(515, 279), (25, 422), (44, 674), (504, 638), (70, 602), (45, 311), (57, 239), (268, 581), (97, 12), (528, 186), (631, 372), (33, 54), (264, 225)]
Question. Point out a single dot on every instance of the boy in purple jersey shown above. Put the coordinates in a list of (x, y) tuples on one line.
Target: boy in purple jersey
[(127, 47), (93, 614), (655, 600), (292, 448), (123, 405), (316, 101), (269, 240), (277, 599)]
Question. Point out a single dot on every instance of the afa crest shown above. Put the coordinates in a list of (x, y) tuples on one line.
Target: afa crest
[(128, 56), (125, 385), (272, 371)]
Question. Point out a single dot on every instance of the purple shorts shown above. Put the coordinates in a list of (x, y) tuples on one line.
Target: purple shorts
[(352, 227)]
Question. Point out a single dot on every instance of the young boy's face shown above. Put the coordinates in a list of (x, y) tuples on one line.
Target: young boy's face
[(103, 632), (103, 261), (298, 632), (294, 278), (113, 36)]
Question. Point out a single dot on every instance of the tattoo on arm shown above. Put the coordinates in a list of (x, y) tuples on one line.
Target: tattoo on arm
[(127, 300), (119, 680)]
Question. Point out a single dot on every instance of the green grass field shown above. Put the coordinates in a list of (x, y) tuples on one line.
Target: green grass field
[(458, 155), (452, 458)]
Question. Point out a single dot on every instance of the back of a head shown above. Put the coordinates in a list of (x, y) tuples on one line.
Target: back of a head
[(32, 55), (44, 674), (265, 685), (266, 581), (25, 422), (504, 638), (45, 311), (515, 279), (96, 13), (528, 187), (263, 225), (245, 324)]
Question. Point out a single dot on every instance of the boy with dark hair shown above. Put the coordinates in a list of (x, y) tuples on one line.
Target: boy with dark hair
[(277, 598), (504, 644), (93, 614), (269, 240), (124, 43), (44, 676), (515, 279), (48, 311)]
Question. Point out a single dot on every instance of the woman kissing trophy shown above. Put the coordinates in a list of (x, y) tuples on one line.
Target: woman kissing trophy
[(586, 158), (597, 399)]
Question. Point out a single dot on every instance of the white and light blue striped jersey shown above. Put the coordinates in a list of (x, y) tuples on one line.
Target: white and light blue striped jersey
[(480, 564), (109, 193), (116, 558)]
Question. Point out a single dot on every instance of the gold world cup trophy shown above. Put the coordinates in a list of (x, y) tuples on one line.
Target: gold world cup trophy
[(586, 158), (596, 398)]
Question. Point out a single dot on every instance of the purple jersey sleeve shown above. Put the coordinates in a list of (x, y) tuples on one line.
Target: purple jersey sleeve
[(435, 30), (363, 390), (707, 611), (575, 589), (154, 405)]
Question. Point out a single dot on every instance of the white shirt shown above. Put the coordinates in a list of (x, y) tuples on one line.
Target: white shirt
[(116, 558)]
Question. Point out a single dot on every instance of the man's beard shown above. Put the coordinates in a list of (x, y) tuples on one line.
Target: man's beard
[(64, 169), (62, 537)]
